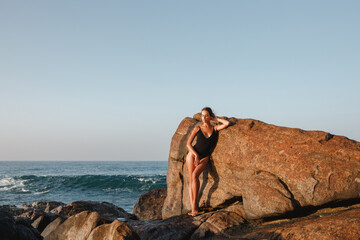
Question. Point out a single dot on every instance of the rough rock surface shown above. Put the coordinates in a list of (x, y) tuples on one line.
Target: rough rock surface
[(149, 206), (274, 169), (52, 226), (175, 228), (77, 227), (11, 229), (46, 206), (342, 226), (103, 208), (116, 230)]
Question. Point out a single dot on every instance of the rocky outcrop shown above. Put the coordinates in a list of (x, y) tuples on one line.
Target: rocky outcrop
[(77, 227), (343, 225), (116, 230), (149, 206), (11, 229), (46, 206), (103, 208), (273, 169)]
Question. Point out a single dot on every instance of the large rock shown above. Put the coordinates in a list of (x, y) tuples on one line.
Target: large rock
[(11, 229), (274, 169), (116, 230), (77, 227), (14, 210), (149, 205), (52, 226), (103, 208), (46, 206), (341, 226), (175, 228)]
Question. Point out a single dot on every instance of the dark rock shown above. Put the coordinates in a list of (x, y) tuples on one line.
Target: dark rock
[(30, 216), (13, 210), (41, 222), (47, 206), (7, 226), (149, 206), (24, 231)]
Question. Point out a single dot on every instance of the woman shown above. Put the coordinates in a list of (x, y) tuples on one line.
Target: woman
[(199, 155)]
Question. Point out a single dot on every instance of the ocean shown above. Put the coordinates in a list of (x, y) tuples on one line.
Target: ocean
[(120, 183)]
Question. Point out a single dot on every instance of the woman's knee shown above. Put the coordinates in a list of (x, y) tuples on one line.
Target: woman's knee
[(195, 175)]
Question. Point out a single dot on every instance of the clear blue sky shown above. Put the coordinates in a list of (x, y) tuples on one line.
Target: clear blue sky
[(111, 80)]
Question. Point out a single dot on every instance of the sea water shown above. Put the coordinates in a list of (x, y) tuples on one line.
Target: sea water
[(120, 183)]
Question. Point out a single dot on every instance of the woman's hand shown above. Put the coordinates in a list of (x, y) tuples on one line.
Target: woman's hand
[(197, 160)]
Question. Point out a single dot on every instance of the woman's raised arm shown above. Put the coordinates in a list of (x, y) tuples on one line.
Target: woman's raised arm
[(224, 123)]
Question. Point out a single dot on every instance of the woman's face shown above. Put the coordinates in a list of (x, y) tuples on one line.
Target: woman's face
[(205, 116)]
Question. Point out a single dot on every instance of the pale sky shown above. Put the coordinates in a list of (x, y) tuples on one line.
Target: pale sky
[(112, 80)]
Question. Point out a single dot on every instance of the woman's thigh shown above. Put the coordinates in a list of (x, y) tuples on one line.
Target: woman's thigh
[(190, 162), (200, 168)]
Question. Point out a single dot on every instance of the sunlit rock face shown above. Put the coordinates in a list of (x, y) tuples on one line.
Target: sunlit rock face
[(273, 169)]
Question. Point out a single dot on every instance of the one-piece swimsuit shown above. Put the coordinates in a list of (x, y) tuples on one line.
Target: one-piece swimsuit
[(205, 146)]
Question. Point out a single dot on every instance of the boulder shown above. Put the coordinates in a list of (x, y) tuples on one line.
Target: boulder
[(11, 229), (274, 169), (46, 206), (52, 226), (341, 226), (7, 226), (149, 205), (174, 228), (77, 227), (116, 230), (217, 223), (41, 222), (14, 210), (24, 231), (103, 208), (30, 216)]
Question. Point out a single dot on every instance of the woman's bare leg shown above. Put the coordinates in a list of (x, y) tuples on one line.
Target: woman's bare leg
[(196, 184), (190, 165)]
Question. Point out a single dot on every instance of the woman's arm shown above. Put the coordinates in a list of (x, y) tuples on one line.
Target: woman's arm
[(190, 140), (224, 123)]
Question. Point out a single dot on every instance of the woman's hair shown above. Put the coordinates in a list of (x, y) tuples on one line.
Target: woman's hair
[(209, 110)]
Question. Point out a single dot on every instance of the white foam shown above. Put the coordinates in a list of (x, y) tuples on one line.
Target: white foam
[(9, 183), (38, 193)]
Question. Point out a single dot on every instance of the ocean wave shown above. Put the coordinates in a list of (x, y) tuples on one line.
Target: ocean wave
[(10, 183), (38, 185)]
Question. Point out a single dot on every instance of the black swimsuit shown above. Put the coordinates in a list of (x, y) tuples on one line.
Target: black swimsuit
[(205, 146)]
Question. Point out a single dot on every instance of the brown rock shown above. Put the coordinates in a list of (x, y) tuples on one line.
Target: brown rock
[(149, 206), (46, 206), (175, 228), (30, 216), (116, 230), (217, 224), (292, 167), (41, 222), (77, 227), (52, 226), (103, 208), (342, 226)]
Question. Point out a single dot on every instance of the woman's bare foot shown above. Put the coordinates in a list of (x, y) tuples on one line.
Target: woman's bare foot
[(193, 213)]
